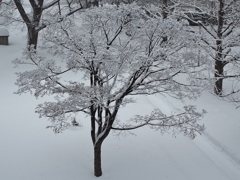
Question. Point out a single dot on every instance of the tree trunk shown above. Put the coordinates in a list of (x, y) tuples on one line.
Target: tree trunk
[(219, 67), (97, 159), (165, 9), (218, 87), (165, 14), (95, 3), (32, 38), (219, 64)]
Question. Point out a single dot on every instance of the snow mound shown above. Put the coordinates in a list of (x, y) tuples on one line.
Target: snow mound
[(4, 32)]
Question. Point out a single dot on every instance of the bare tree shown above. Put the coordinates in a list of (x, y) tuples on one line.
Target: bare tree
[(110, 68), (34, 19)]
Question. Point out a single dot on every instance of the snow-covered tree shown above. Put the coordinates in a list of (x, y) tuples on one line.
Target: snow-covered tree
[(99, 67), (31, 14), (221, 40)]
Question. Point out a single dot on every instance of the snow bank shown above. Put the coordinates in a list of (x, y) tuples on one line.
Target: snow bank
[(4, 31)]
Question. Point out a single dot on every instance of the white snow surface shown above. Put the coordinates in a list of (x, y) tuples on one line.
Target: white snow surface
[(29, 151), (4, 31)]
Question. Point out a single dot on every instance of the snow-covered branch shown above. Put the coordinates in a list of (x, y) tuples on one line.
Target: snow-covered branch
[(185, 122)]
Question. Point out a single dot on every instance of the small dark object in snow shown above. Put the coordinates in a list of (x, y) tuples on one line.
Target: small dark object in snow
[(4, 34), (74, 122)]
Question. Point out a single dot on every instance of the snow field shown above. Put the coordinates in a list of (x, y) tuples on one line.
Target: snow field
[(30, 151)]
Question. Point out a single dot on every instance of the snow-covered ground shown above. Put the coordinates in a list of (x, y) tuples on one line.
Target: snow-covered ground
[(29, 151)]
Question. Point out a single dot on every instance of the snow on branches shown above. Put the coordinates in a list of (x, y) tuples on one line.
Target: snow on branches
[(185, 122), (104, 57)]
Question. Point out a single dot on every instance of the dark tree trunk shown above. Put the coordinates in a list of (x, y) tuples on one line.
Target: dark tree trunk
[(95, 3), (219, 63), (219, 67), (97, 159), (165, 10), (165, 14), (103, 129), (32, 38)]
